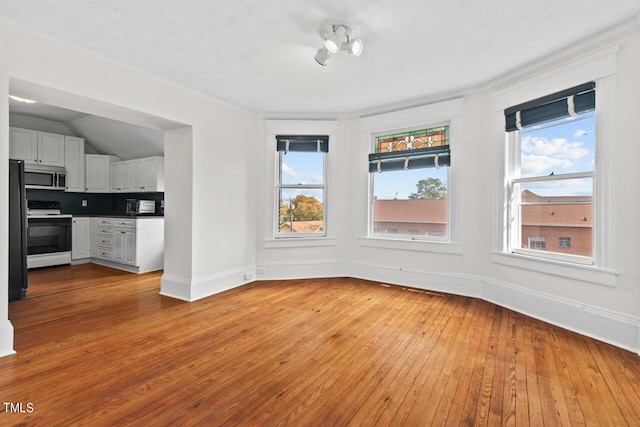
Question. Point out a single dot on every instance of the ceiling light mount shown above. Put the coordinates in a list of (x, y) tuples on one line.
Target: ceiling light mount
[(336, 36)]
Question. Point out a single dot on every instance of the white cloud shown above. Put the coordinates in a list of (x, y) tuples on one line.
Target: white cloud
[(318, 179), (558, 147), (541, 156), (535, 165), (289, 171)]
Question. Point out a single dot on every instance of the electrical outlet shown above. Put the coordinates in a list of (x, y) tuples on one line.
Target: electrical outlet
[(248, 276), (84, 203), (261, 271)]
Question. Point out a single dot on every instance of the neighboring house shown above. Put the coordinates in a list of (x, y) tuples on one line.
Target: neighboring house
[(302, 227), (557, 224), (419, 217)]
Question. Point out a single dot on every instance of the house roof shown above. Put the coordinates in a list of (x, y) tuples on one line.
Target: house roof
[(302, 226)]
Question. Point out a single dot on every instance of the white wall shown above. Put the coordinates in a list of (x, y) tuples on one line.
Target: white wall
[(210, 163), (215, 163), (611, 314)]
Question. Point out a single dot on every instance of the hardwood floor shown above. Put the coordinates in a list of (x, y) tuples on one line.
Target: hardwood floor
[(98, 346)]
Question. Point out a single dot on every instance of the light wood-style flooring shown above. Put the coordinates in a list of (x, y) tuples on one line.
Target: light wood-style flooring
[(98, 347)]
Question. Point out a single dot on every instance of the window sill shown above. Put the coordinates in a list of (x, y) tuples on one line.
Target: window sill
[(412, 245), (585, 273), (300, 242)]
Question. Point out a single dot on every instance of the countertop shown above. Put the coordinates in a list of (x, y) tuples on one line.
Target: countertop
[(118, 216)]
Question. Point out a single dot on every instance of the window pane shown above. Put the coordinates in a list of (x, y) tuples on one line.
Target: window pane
[(406, 141), (557, 216), (301, 168), (410, 203), (559, 147), (301, 211)]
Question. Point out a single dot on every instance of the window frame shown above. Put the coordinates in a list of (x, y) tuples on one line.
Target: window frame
[(271, 208), (514, 231), (425, 116), (277, 234), (600, 68), (395, 235)]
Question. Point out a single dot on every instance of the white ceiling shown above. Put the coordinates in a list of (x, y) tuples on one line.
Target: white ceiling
[(258, 55)]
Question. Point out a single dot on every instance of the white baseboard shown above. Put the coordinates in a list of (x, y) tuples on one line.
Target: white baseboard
[(192, 289), (604, 325), (6, 338)]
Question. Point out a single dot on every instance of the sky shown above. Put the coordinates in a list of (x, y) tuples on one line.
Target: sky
[(564, 146), (302, 168), (560, 147)]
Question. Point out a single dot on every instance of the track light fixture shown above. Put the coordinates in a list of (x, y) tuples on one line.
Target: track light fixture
[(337, 36)]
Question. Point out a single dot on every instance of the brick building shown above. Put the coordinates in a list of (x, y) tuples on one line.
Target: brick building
[(555, 224)]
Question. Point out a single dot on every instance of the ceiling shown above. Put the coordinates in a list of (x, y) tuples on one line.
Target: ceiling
[(258, 55)]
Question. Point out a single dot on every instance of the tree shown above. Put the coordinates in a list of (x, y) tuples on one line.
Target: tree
[(307, 208), (430, 188), (304, 208)]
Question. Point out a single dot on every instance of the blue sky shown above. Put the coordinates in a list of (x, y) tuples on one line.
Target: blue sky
[(560, 147), (302, 168), (548, 148), (402, 182)]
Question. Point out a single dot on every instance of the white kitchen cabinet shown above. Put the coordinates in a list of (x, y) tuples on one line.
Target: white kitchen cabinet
[(124, 246), (23, 145), (50, 149), (97, 168), (132, 244), (42, 148), (121, 177), (81, 238), (148, 174), (74, 163), (102, 236)]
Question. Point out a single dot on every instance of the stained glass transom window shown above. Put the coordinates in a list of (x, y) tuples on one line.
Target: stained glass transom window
[(413, 140)]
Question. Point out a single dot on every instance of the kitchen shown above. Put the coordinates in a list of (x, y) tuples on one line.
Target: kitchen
[(81, 205)]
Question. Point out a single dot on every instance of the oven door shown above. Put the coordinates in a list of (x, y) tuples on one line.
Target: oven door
[(48, 235)]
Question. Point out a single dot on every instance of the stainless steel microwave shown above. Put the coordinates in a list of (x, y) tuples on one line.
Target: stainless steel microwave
[(45, 177)]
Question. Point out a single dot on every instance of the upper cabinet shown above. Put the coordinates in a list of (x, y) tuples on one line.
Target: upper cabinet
[(74, 163), (91, 173), (148, 174), (23, 145), (50, 149), (121, 177), (98, 172), (34, 147)]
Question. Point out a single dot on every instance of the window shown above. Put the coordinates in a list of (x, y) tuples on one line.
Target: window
[(537, 242), (303, 171), (301, 185), (409, 183), (552, 144), (564, 242), (592, 255)]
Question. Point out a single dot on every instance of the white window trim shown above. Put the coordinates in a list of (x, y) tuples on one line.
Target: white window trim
[(299, 127), (450, 112), (600, 68)]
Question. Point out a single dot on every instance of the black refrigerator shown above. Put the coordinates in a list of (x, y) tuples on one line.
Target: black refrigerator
[(17, 231)]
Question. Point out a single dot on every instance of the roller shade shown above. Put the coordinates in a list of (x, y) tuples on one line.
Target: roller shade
[(566, 103), (410, 159), (309, 143)]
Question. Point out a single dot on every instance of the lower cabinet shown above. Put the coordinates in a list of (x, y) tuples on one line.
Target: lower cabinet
[(131, 244), (81, 238), (124, 242)]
